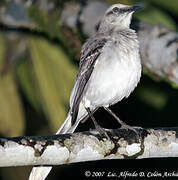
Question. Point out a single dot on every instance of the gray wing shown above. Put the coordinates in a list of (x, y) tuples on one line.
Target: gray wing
[(89, 54)]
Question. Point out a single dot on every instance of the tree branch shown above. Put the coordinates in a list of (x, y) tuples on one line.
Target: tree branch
[(159, 51), (88, 146)]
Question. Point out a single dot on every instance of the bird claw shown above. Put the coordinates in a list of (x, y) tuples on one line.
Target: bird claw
[(132, 128), (102, 131)]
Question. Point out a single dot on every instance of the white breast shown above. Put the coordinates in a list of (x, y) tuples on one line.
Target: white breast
[(114, 77)]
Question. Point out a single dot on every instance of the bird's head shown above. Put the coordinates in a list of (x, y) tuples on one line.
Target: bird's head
[(119, 15)]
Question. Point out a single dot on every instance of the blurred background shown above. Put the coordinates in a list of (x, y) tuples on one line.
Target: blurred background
[(39, 58)]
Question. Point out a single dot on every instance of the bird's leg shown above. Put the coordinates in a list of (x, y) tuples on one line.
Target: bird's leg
[(116, 117), (85, 118), (123, 124), (97, 126)]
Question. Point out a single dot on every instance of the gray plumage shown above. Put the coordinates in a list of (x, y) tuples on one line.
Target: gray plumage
[(109, 70), (109, 67)]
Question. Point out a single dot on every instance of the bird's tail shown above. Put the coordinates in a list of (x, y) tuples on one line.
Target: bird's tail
[(40, 173), (66, 125)]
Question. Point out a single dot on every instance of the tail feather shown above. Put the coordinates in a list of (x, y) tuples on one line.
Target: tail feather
[(66, 125), (40, 173)]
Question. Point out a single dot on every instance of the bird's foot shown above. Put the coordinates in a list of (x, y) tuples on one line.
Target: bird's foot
[(102, 131), (123, 124), (97, 126), (128, 127)]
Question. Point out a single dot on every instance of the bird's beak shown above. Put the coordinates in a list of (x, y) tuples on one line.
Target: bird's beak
[(135, 8)]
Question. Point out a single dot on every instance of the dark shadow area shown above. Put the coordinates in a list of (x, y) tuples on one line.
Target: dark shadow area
[(107, 167)]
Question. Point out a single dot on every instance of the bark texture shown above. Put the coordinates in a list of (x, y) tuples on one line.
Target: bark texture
[(88, 146)]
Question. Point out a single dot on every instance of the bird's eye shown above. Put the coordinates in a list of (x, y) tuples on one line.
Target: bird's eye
[(115, 9)]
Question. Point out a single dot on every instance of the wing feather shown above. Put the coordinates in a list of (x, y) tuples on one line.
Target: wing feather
[(89, 54)]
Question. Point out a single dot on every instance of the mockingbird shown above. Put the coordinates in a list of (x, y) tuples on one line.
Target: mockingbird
[(109, 70)]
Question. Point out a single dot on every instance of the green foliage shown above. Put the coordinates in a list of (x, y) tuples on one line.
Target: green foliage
[(169, 6), (156, 16), (152, 96), (39, 17), (45, 22), (11, 113), (54, 74), (26, 79)]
